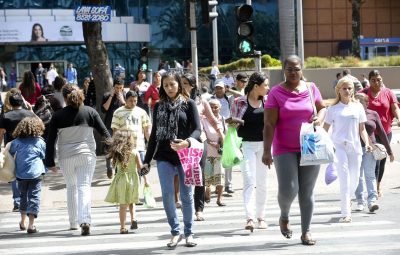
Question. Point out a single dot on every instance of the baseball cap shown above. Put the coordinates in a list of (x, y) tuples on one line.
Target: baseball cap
[(220, 83), (241, 77)]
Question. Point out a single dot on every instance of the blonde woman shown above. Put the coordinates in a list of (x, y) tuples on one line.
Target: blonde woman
[(347, 118)]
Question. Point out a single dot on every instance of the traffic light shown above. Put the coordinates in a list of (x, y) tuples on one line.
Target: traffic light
[(207, 12), (143, 58), (245, 29)]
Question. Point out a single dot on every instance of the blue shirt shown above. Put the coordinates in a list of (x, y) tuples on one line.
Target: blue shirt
[(29, 154), (71, 75)]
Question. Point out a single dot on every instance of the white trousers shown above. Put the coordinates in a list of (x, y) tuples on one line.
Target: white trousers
[(78, 173), (348, 167), (254, 174)]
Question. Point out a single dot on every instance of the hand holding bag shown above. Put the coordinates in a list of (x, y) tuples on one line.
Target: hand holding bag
[(231, 154), (7, 165), (379, 151)]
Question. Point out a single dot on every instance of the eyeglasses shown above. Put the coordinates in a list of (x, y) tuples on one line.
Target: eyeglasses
[(291, 70), (244, 81)]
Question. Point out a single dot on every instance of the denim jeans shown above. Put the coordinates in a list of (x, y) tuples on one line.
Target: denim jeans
[(367, 169), (30, 196), (16, 193), (166, 173)]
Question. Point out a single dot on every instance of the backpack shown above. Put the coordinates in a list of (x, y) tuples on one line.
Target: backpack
[(43, 110)]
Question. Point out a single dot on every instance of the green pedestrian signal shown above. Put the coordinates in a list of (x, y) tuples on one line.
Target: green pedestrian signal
[(245, 29)]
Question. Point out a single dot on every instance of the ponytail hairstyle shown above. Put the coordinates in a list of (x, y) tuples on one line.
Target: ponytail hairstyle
[(257, 78), (73, 96)]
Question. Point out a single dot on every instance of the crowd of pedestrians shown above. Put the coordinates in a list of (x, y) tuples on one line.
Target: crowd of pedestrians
[(154, 121)]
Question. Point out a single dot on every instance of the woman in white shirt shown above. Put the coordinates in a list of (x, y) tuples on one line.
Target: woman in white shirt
[(347, 118)]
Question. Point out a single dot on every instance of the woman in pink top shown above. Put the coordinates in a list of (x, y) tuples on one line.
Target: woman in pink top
[(288, 106), (204, 109), (384, 102), (29, 88)]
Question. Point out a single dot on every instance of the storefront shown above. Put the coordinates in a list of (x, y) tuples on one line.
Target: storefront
[(375, 47)]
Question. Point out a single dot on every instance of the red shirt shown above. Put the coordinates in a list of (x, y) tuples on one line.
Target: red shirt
[(32, 99), (382, 105), (152, 92)]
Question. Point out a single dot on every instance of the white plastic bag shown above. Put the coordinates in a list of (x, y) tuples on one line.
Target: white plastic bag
[(315, 145)]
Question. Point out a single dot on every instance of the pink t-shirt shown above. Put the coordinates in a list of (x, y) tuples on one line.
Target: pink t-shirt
[(294, 109)]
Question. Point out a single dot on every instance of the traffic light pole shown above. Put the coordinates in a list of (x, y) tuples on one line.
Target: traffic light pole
[(257, 53), (193, 38)]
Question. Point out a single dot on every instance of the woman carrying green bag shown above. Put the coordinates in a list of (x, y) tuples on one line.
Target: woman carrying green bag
[(250, 108)]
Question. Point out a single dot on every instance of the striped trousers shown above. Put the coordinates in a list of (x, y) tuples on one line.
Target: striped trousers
[(78, 173)]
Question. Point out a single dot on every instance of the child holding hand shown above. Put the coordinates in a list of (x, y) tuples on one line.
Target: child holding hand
[(28, 149), (124, 188)]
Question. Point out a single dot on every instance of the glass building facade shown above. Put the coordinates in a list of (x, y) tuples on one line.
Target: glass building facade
[(170, 39)]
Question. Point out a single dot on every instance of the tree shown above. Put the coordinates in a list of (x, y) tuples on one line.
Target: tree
[(98, 56), (356, 26), (287, 31)]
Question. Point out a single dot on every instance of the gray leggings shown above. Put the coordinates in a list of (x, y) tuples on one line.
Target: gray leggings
[(294, 179)]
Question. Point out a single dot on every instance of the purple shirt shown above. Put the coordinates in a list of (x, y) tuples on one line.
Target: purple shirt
[(293, 110)]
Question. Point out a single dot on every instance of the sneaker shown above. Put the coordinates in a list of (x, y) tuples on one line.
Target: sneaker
[(345, 219), (373, 207), (190, 242), (85, 229), (229, 190), (360, 207), (15, 208)]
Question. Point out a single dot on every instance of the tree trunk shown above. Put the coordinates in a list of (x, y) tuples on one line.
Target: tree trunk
[(98, 61), (356, 27), (287, 29), (98, 57)]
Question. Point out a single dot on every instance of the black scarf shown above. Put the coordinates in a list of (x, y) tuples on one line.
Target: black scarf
[(167, 119)]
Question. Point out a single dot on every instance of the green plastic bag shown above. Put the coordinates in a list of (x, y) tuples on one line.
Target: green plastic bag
[(231, 153), (149, 200)]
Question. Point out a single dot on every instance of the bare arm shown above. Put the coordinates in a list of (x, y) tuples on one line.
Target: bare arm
[(2, 132), (270, 119), (396, 112)]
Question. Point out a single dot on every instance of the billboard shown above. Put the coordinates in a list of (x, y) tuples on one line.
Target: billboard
[(40, 32), (21, 32)]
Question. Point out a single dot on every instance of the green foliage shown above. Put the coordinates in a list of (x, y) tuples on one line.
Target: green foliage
[(244, 63), (385, 61), (318, 62), (350, 62)]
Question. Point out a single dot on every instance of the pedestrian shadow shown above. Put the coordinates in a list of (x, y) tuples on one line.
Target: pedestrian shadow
[(327, 200)]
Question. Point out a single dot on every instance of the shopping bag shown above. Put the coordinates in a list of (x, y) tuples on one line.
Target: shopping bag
[(231, 154), (315, 145), (190, 161), (330, 174), (7, 165), (149, 200)]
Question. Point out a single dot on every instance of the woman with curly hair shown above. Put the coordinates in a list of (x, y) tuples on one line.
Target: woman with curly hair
[(29, 168), (124, 189), (73, 126), (30, 89)]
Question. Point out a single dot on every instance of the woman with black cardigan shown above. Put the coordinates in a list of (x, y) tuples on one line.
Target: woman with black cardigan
[(175, 119)]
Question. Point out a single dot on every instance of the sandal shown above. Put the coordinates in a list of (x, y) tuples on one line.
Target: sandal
[(21, 227), (285, 228), (307, 240), (219, 203), (199, 216), (262, 224), (32, 230), (134, 224), (123, 231), (250, 225), (174, 241)]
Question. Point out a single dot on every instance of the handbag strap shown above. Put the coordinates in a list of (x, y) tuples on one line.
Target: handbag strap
[(311, 98)]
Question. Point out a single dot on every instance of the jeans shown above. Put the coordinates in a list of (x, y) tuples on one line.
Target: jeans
[(16, 193), (30, 196), (367, 169), (166, 173), (254, 174)]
